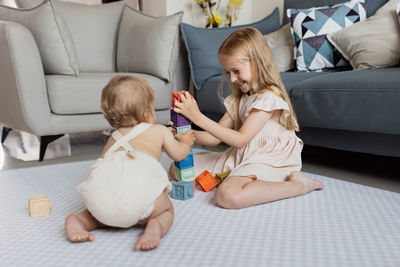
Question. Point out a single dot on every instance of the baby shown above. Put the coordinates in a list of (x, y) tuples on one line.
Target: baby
[(127, 185)]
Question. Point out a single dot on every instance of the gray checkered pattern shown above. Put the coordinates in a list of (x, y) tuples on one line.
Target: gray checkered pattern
[(344, 225)]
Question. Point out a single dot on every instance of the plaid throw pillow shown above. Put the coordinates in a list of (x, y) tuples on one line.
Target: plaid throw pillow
[(309, 28)]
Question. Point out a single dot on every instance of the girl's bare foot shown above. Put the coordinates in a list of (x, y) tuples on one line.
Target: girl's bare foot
[(306, 183), (75, 229), (151, 236)]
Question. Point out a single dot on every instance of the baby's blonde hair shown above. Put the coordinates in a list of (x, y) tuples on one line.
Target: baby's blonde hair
[(125, 100), (248, 45)]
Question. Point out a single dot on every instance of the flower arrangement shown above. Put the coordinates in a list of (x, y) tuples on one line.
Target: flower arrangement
[(212, 12)]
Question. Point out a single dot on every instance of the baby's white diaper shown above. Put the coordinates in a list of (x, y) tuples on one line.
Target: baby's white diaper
[(120, 191), (147, 212)]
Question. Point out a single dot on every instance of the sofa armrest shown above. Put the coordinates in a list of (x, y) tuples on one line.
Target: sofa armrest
[(24, 103)]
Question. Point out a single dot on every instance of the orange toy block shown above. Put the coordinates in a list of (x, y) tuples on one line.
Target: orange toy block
[(206, 181), (39, 206), (175, 95)]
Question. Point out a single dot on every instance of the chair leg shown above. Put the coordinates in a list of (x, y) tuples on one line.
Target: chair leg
[(44, 141), (4, 134)]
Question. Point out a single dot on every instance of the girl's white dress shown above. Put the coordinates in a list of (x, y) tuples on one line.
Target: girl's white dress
[(270, 156), (121, 190)]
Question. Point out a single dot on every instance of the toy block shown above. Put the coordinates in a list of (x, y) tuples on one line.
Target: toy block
[(179, 120), (186, 163), (175, 95), (39, 206), (184, 175), (220, 177), (183, 129), (206, 181), (193, 182), (182, 190)]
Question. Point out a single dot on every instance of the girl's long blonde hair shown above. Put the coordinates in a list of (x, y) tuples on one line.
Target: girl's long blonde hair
[(248, 45)]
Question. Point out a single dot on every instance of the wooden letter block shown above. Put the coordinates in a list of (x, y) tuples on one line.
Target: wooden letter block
[(39, 206), (206, 181)]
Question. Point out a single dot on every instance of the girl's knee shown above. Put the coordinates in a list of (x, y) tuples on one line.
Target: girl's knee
[(228, 197)]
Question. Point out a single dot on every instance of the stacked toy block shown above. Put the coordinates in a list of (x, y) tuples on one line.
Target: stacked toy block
[(182, 190), (184, 169)]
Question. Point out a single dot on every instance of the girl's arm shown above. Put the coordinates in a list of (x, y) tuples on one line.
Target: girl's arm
[(204, 138), (253, 124)]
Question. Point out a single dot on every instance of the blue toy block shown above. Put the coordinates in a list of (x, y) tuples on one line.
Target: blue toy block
[(186, 163), (183, 129), (182, 190), (179, 120)]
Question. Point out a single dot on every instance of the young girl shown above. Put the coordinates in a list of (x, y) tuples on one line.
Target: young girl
[(264, 159), (127, 185)]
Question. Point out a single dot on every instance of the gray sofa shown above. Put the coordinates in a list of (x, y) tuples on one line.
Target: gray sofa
[(39, 96), (354, 110)]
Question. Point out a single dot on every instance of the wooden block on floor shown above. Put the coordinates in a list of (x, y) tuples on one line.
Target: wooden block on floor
[(39, 206)]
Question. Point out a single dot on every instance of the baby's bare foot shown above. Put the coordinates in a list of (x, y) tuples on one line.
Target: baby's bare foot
[(306, 183), (151, 236), (76, 230)]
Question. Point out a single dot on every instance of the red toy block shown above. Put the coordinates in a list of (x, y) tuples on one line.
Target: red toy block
[(206, 181), (175, 95)]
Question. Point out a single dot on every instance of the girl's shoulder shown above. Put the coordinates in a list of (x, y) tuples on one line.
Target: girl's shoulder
[(267, 101)]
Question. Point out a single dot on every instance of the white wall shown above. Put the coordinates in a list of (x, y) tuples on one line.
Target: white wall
[(261, 8), (251, 10)]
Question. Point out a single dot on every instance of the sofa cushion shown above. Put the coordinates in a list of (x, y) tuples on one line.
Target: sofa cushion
[(147, 44), (309, 29), (358, 100), (371, 5), (291, 78), (81, 95), (94, 29), (281, 46), (209, 102), (203, 44), (51, 34), (373, 43)]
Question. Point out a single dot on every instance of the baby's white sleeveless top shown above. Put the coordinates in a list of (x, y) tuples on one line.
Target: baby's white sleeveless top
[(119, 188)]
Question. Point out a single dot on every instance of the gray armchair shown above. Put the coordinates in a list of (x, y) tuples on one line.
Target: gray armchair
[(35, 99)]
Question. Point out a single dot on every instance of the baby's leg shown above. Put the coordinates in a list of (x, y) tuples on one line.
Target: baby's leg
[(157, 224), (172, 170), (241, 192), (77, 226)]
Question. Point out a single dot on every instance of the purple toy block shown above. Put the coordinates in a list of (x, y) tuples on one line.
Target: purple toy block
[(178, 119)]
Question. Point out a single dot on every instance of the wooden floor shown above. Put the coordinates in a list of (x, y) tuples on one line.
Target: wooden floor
[(371, 170)]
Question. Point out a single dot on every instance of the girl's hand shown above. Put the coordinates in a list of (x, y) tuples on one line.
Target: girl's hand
[(188, 107), (187, 138)]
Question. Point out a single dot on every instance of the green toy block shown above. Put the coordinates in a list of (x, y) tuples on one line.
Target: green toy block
[(185, 175)]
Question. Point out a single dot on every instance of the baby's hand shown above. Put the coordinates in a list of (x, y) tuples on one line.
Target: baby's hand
[(187, 137), (172, 129)]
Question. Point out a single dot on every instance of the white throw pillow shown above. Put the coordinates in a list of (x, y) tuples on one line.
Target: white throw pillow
[(147, 44), (373, 43), (281, 46), (51, 34)]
